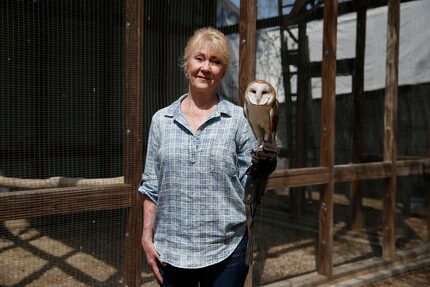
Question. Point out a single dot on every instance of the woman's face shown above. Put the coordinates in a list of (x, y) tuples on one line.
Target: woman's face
[(205, 71)]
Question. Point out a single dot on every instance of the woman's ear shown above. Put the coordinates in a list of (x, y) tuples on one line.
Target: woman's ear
[(186, 71)]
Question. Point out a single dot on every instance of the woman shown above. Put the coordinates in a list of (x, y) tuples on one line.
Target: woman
[(199, 149)]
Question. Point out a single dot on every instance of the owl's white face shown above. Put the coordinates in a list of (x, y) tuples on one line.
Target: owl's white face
[(260, 93)]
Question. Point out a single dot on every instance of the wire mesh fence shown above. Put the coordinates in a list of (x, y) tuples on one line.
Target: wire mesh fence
[(62, 83), (61, 118)]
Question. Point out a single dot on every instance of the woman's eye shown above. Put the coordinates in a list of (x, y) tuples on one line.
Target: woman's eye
[(216, 62)]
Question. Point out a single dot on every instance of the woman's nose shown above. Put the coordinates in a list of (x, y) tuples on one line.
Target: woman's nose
[(206, 66)]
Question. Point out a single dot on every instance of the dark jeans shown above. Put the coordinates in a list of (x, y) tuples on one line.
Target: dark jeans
[(231, 272)]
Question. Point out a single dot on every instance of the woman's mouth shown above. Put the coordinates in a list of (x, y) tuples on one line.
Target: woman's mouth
[(204, 78)]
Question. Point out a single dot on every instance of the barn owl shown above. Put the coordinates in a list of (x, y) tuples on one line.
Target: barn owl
[(261, 110)]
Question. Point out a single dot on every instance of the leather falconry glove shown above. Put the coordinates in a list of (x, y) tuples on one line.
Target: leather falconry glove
[(264, 160)]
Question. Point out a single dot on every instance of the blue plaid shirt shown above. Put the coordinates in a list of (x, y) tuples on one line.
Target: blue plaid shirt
[(197, 182)]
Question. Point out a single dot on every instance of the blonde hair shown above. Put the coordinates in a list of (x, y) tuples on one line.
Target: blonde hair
[(216, 40)]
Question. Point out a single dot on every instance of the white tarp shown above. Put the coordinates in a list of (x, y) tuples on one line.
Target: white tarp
[(414, 49)]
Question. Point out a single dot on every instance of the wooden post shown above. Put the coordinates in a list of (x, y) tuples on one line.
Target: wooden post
[(247, 49), (298, 194), (133, 137), (427, 183), (427, 178), (390, 128), (247, 56), (356, 221), (328, 101)]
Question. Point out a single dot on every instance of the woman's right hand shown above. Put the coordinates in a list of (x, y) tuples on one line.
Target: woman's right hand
[(152, 258)]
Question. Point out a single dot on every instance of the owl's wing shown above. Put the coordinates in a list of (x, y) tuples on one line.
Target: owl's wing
[(274, 117)]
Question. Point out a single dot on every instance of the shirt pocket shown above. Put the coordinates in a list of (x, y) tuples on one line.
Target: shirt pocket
[(219, 156)]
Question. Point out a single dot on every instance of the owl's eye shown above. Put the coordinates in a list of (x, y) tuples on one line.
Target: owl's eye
[(253, 91), (265, 92)]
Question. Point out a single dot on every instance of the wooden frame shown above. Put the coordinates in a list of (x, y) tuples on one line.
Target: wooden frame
[(247, 63), (390, 128), (327, 174), (247, 49), (133, 138), (41, 202), (358, 96), (328, 103)]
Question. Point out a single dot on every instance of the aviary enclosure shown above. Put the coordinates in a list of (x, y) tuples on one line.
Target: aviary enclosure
[(80, 80)]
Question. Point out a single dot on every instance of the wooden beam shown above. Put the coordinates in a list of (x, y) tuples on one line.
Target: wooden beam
[(344, 173), (378, 170), (247, 63), (427, 178), (356, 219), (390, 127), (17, 183), (29, 203), (133, 113), (344, 8), (344, 67), (356, 273), (328, 103), (298, 177), (42, 202), (247, 48), (303, 82)]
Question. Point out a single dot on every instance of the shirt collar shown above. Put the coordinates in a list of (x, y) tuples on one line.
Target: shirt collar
[(174, 110)]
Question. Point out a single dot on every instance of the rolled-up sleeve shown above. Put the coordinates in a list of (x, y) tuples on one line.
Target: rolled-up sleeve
[(149, 183)]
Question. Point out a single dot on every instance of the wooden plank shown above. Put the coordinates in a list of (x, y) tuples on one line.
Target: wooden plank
[(390, 127), (298, 177), (18, 204), (247, 63), (363, 270), (247, 48), (41, 202), (344, 67), (29, 203), (303, 82), (356, 220), (133, 113), (363, 171), (428, 207), (17, 183), (344, 8), (328, 104), (343, 173), (427, 178)]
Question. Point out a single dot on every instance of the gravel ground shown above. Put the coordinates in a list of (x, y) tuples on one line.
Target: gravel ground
[(417, 278)]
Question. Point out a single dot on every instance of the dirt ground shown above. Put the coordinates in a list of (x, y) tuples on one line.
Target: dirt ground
[(87, 250)]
